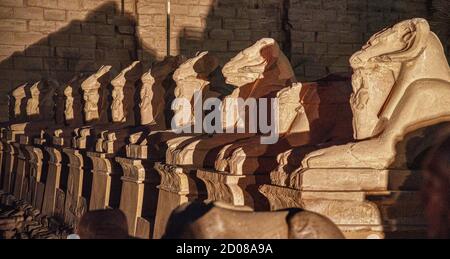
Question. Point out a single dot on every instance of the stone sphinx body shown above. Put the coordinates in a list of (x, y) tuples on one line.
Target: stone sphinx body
[(302, 120), (193, 81), (257, 72), (408, 69), (152, 114), (222, 221)]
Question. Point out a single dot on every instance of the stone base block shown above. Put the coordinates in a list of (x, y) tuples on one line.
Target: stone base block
[(358, 179), (139, 194), (358, 214), (178, 185), (238, 190), (106, 182)]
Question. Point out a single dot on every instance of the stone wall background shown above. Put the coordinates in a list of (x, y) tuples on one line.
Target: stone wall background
[(59, 38), (326, 33)]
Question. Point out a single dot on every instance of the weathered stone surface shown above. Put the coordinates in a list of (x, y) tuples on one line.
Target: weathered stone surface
[(419, 65), (178, 185)]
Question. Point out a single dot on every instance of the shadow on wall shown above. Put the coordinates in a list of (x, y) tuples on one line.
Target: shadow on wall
[(405, 210), (230, 26), (105, 37)]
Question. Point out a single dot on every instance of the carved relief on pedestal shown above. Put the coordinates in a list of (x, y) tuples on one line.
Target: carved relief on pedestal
[(223, 187), (137, 150), (36, 160), (173, 179), (178, 185), (281, 198), (79, 141), (91, 87), (133, 170), (75, 205), (123, 92)]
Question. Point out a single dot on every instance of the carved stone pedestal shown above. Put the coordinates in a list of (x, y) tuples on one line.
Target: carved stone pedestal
[(364, 203), (36, 189), (23, 182), (238, 190), (9, 166), (178, 185), (10, 153), (21, 170), (351, 179), (2, 156), (347, 210), (139, 195), (106, 183), (76, 199), (54, 197), (137, 151)]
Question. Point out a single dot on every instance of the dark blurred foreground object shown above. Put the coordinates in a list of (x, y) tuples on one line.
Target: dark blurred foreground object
[(436, 191), (216, 220), (103, 224)]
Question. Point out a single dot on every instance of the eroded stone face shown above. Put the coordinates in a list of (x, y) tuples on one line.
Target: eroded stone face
[(371, 87)]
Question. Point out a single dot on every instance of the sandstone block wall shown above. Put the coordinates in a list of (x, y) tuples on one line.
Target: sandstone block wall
[(325, 33), (223, 27), (59, 38)]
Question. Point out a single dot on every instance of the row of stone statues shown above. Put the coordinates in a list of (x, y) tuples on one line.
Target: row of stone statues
[(348, 148)]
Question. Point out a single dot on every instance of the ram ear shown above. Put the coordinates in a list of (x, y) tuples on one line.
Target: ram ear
[(417, 41), (270, 52), (274, 55)]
